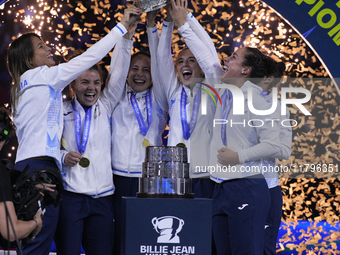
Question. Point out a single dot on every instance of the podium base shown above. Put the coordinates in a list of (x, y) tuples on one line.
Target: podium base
[(146, 195), (189, 220)]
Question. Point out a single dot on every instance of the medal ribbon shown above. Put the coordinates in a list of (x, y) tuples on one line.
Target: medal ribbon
[(187, 131), (81, 143), (225, 113), (138, 113)]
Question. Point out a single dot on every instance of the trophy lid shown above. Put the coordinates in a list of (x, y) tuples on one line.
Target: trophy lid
[(166, 154)]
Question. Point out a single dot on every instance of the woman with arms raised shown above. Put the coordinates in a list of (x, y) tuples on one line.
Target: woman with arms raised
[(37, 106)]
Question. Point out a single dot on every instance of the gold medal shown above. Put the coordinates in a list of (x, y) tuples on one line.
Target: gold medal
[(146, 143), (84, 162), (182, 145)]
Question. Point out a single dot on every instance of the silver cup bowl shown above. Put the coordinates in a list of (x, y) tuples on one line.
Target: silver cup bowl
[(150, 5)]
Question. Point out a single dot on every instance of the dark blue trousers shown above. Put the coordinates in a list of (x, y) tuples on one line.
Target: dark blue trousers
[(41, 245), (273, 221), (125, 187), (202, 187), (240, 210), (87, 221)]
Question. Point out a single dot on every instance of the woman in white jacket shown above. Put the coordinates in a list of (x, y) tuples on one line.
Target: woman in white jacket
[(137, 121), (37, 107), (182, 83), (240, 203), (86, 211), (269, 172)]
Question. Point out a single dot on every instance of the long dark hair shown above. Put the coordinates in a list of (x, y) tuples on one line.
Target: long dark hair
[(274, 69), (19, 59)]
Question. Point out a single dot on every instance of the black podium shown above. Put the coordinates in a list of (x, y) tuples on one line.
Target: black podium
[(158, 226)]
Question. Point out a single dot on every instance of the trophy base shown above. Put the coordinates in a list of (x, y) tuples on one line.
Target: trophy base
[(158, 195), (150, 5)]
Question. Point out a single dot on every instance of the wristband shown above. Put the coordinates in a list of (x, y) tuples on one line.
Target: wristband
[(37, 225)]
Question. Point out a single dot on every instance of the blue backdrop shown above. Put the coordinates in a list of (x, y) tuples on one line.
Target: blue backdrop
[(319, 22)]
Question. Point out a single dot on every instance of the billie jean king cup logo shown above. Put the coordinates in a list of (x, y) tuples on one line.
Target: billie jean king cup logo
[(167, 227)]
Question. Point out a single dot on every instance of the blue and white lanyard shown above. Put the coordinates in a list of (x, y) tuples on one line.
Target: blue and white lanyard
[(227, 95), (143, 128), (81, 143), (188, 130)]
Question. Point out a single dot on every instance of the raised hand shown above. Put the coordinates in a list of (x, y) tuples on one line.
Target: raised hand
[(130, 31), (168, 17), (150, 17), (178, 10), (131, 15)]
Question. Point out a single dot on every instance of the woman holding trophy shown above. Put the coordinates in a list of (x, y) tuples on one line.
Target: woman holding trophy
[(86, 211), (137, 121), (187, 124), (240, 200), (37, 107)]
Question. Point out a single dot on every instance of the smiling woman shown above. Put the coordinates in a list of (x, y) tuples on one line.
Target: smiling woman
[(87, 87), (37, 106), (86, 157), (187, 67), (138, 121), (182, 87), (139, 77), (42, 53)]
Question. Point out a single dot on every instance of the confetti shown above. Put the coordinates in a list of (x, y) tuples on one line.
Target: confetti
[(69, 25)]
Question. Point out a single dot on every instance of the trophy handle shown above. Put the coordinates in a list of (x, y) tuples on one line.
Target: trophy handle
[(181, 222), (154, 223)]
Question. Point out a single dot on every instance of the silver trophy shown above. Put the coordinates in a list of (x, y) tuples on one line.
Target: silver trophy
[(165, 173), (150, 5)]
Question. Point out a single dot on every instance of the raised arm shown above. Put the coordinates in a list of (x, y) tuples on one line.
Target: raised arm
[(119, 68), (166, 66), (153, 38), (202, 34), (61, 75), (208, 62)]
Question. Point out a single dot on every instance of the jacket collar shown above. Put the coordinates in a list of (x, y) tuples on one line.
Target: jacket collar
[(80, 107), (138, 95)]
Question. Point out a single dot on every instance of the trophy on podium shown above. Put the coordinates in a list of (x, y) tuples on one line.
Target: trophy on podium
[(150, 5), (165, 173)]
